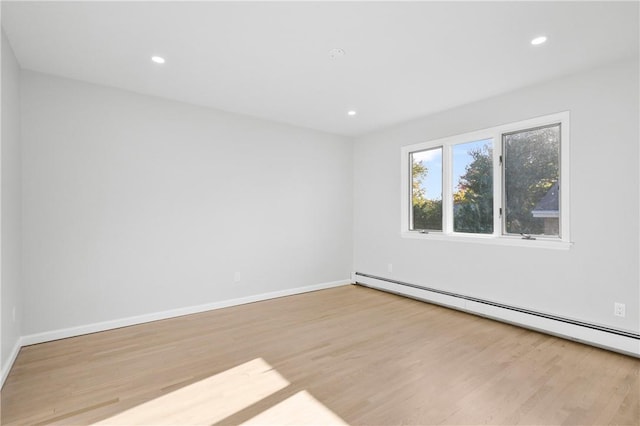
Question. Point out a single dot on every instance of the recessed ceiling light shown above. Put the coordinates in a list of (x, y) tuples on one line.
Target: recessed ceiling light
[(336, 53), (158, 59), (538, 40), (351, 113)]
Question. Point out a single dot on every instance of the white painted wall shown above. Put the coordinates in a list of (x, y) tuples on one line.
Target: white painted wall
[(581, 283), (10, 291), (134, 205)]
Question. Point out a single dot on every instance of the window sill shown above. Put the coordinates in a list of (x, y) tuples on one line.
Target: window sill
[(544, 243)]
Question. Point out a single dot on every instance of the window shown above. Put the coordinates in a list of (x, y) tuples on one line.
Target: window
[(426, 189), (472, 164), (531, 181), (504, 185)]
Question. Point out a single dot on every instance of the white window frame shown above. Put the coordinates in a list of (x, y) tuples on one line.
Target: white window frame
[(494, 133)]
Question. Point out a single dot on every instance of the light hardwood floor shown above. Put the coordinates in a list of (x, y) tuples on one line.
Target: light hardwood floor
[(349, 354)]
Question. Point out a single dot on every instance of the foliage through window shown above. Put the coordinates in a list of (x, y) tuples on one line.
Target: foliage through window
[(531, 176), (473, 187), (426, 189), (505, 181)]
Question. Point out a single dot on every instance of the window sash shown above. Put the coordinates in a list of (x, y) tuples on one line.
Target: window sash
[(455, 176), (503, 163), (411, 193)]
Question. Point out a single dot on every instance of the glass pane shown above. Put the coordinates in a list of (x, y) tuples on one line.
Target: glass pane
[(531, 181), (473, 187), (426, 189)]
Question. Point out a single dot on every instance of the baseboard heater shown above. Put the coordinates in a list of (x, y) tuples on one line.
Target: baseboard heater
[(593, 334)]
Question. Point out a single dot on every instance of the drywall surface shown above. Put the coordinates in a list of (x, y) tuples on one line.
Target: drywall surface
[(580, 283), (11, 217), (134, 205)]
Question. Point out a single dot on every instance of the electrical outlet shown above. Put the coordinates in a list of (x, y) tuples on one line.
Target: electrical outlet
[(619, 309), (389, 267), (236, 277)]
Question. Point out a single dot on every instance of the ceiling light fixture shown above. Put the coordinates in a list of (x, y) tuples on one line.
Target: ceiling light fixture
[(336, 53), (158, 59), (538, 40), (351, 113)]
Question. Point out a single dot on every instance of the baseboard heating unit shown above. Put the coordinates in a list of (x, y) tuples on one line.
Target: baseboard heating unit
[(622, 341)]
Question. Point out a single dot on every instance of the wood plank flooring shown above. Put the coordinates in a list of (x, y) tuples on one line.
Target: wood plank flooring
[(345, 355)]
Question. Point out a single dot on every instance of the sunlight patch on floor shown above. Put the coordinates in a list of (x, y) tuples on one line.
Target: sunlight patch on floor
[(209, 400), (299, 409)]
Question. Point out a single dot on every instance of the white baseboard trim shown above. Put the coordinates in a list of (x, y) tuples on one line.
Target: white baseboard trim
[(594, 337), (48, 336), (6, 368)]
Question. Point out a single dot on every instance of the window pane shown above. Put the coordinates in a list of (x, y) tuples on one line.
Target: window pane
[(426, 189), (531, 181), (473, 187)]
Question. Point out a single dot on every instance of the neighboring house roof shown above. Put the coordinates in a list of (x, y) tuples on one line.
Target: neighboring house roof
[(549, 205)]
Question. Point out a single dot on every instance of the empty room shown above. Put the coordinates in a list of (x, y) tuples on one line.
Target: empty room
[(320, 213)]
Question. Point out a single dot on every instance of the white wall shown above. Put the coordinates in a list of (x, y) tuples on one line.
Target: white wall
[(134, 204), (10, 291), (582, 283)]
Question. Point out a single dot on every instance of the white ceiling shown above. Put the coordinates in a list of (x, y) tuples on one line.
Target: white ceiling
[(271, 59)]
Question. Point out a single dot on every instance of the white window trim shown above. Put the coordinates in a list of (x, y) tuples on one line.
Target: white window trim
[(497, 238)]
